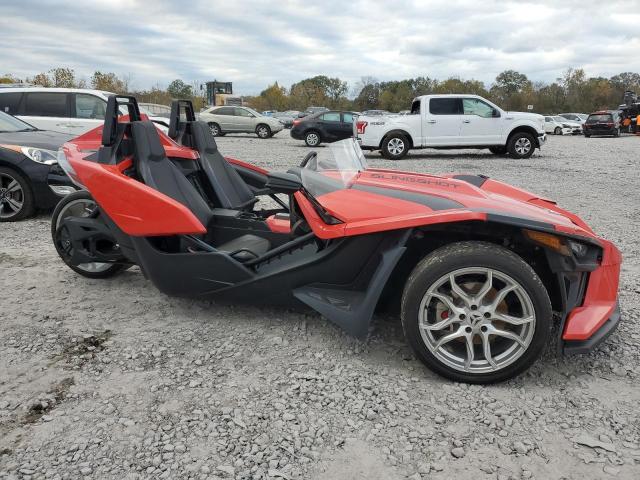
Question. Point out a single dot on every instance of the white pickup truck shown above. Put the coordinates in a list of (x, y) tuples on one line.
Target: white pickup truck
[(452, 121)]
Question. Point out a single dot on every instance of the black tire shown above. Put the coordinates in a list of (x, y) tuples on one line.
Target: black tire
[(312, 138), (521, 145), (263, 131), (557, 131), (16, 189), (498, 150), (215, 129), (109, 271), (395, 146), (455, 256)]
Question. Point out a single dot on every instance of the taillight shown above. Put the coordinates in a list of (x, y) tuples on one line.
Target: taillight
[(296, 121), (361, 126)]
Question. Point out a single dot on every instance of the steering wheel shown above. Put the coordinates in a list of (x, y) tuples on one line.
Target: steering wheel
[(308, 157)]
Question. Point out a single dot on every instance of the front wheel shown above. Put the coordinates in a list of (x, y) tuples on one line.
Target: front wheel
[(521, 145), (395, 147), (476, 312), (16, 198), (557, 131), (263, 131), (78, 204)]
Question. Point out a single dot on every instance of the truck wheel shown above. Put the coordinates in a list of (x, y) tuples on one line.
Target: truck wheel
[(498, 150), (476, 312), (395, 146), (521, 145)]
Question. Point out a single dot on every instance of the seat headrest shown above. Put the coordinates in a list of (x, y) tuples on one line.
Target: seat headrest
[(203, 140), (147, 141)]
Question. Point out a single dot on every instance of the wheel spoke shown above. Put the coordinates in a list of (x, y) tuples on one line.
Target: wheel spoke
[(512, 320), (478, 297), (452, 336), (15, 204), (486, 347), (501, 296), (491, 330), (440, 325), (13, 187), (455, 288), (448, 301), (470, 352)]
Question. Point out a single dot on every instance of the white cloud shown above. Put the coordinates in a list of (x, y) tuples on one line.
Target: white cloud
[(254, 43)]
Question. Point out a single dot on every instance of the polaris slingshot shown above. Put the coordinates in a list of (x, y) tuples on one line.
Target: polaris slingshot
[(477, 267)]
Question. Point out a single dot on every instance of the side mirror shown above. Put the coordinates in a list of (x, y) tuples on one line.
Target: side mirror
[(281, 182), (496, 113)]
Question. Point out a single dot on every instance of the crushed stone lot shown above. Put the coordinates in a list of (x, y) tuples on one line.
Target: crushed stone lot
[(112, 379)]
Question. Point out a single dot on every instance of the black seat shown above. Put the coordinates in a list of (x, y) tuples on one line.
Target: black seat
[(157, 171), (230, 188)]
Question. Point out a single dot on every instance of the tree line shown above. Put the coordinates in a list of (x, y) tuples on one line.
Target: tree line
[(511, 90)]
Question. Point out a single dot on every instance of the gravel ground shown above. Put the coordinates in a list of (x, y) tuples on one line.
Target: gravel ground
[(111, 379)]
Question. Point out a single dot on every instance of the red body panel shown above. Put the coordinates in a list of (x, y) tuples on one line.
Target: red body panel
[(278, 225), (600, 299)]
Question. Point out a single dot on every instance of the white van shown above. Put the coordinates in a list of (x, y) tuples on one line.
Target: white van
[(67, 110)]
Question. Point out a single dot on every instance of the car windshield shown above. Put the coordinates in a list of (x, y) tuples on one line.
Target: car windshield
[(333, 168), (561, 119), (605, 117), (9, 123)]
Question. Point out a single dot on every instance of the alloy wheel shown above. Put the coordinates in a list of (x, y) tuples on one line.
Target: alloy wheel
[(477, 320), (263, 132), (312, 139), (78, 208), (215, 131), (523, 146), (11, 196), (395, 146)]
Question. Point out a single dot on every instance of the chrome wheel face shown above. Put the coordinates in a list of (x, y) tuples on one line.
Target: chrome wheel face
[(79, 208), (523, 146), (312, 139), (215, 131), (477, 320), (11, 196), (395, 146), (263, 132)]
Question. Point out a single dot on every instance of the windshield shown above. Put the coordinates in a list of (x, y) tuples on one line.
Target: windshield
[(605, 117), (9, 123), (333, 168), (561, 119)]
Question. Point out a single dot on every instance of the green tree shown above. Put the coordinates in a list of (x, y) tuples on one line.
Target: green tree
[(108, 82), (178, 89)]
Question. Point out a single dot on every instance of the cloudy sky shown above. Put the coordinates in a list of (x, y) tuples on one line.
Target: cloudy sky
[(254, 43)]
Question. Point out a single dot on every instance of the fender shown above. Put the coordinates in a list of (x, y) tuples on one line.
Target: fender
[(397, 131)]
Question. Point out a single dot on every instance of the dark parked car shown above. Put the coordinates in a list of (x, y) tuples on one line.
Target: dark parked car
[(605, 122), (30, 177), (286, 118), (323, 127)]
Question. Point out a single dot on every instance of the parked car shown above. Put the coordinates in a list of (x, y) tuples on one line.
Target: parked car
[(486, 275), (229, 119), (453, 121), (552, 125), (374, 113), (312, 110), (576, 117), (323, 127), (286, 118), (66, 110), (605, 122), (574, 127), (30, 177), (155, 109)]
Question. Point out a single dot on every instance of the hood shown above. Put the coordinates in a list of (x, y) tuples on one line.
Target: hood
[(377, 195), (39, 138), (525, 116)]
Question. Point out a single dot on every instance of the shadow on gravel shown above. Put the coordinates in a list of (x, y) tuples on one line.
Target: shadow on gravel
[(48, 401)]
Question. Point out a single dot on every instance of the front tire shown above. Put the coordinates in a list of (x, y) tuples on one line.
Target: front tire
[(263, 131), (78, 204), (557, 131), (395, 146), (476, 312), (16, 197), (521, 145)]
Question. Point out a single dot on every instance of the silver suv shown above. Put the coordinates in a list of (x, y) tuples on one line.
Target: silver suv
[(228, 119)]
